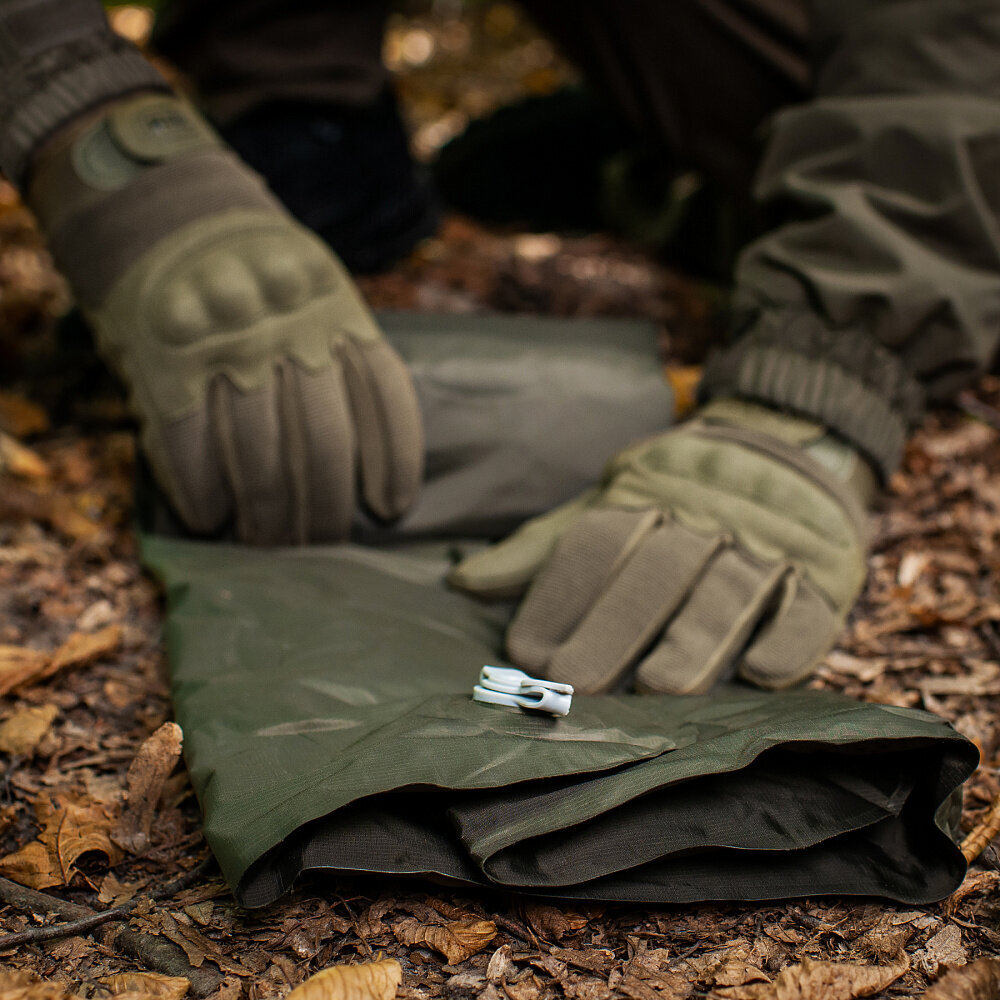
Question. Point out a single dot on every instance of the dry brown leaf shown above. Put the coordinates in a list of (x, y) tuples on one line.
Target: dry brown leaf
[(20, 666), (976, 981), (552, 922), (69, 830), (201, 913), (585, 988), (147, 773), (27, 986), (457, 940), (551, 966), (20, 501), (33, 866), (637, 989), (18, 460), (501, 965), (736, 972), (7, 816), (75, 829), (196, 945), (21, 417), (448, 910), (194, 949), (25, 729), (684, 380), (653, 968), (883, 941), (970, 437), (865, 669), (114, 892), (231, 989), (467, 982), (63, 514), (818, 981), (82, 648), (944, 948), (983, 833), (786, 934), (592, 960), (374, 981), (528, 988), (975, 882), (148, 984)]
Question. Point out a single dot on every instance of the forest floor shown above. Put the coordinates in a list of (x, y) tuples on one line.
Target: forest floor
[(84, 682)]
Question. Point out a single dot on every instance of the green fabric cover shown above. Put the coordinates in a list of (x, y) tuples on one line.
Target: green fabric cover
[(325, 692)]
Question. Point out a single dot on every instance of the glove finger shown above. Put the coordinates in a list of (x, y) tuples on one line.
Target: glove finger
[(248, 429), (319, 450), (186, 462), (505, 570), (702, 642), (632, 608), (570, 583), (387, 423), (790, 645)]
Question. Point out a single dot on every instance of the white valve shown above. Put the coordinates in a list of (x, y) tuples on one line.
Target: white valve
[(508, 686)]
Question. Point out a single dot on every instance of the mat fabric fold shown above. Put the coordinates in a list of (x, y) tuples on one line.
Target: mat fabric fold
[(325, 700), (324, 694)]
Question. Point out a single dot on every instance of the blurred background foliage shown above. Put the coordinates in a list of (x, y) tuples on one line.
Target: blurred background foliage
[(454, 60)]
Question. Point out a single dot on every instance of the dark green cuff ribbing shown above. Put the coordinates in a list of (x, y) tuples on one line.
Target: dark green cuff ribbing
[(841, 378)]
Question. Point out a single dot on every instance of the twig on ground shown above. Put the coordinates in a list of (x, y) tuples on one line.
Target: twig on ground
[(151, 951), (88, 919), (357, 927), (977, 408), (983, 833), (516, 929)]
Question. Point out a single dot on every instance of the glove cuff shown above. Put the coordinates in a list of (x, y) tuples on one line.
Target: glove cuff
[(840, 378), (51, 72)]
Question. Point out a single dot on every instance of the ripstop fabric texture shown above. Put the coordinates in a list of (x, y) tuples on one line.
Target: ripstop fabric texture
[(325, 697)]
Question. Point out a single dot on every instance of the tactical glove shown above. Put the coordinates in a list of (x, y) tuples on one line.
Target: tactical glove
[(733, 544), (264, 388)]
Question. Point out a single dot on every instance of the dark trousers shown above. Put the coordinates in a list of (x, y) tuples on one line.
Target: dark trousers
[(697, 75)]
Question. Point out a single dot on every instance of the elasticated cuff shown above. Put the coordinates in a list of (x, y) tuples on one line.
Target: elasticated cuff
[(841, 378), (42, 93)]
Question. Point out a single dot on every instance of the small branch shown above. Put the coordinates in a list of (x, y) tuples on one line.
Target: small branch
[(977, 408), (357, 927), (151, 951), (515, 929), (52, 932), (983, 833), (165, 957), (31, 901), (84, 924)]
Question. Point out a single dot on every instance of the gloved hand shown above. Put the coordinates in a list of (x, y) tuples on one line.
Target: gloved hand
[(734, 543), (264, 388)]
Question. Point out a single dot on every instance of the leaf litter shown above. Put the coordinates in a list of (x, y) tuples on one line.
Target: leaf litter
[(93, 813)]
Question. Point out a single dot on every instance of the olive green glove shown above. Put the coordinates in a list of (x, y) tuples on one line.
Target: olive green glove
[(732, 544), (264, 388)]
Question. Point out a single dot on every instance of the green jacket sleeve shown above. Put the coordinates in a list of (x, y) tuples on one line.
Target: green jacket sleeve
[(878, 287)]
